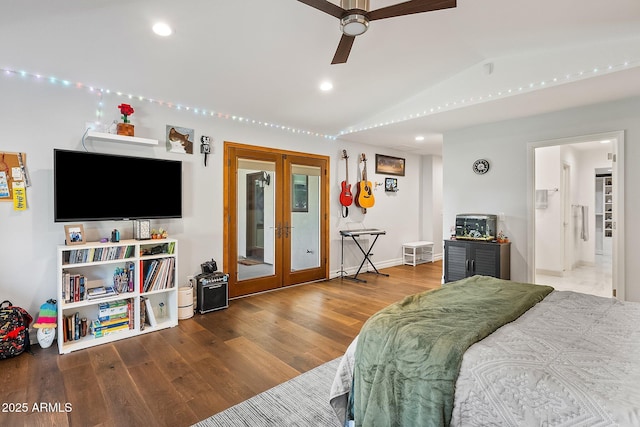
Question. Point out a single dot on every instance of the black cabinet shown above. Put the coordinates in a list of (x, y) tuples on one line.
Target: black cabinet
[(465, 258)]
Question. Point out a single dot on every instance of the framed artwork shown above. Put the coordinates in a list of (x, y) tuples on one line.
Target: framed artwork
[(300, 196), (74, 234), (180, 140), (391, 184), (389, 165)]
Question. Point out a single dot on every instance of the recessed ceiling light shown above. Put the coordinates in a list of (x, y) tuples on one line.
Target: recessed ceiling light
[(326, 86), (419, 138), (605, 141), (162, 29)]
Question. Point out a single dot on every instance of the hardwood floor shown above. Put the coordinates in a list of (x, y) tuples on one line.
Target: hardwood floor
[(179, 376)]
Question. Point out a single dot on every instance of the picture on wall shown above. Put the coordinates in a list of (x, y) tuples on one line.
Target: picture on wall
[(180, 140), (391, 184), (389, 165)]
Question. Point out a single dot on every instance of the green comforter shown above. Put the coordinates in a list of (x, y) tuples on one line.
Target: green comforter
[(408, 355)]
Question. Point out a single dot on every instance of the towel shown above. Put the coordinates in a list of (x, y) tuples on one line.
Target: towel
[(541, 199), (584, 232)]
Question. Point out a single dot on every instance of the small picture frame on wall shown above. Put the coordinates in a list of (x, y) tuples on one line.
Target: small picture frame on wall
[(391, 185), (388, 165), (74, 234), (180, 139)]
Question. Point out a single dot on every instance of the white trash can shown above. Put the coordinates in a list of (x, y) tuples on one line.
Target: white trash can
[(185, 302)]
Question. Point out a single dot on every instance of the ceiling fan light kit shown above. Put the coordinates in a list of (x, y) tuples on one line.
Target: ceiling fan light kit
[(354, 25), (354, 16)]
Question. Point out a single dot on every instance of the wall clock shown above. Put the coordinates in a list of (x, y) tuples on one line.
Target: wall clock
[(481, 166)]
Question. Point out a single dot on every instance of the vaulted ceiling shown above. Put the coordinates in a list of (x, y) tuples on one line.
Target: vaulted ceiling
[(422, 74)]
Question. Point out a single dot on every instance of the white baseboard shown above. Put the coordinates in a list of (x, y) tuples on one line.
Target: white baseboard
[(350, 271)]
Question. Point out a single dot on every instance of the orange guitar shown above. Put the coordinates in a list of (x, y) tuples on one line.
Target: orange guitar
[(364, 197)]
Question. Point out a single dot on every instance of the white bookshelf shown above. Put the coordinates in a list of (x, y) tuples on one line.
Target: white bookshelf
[(100, 272)]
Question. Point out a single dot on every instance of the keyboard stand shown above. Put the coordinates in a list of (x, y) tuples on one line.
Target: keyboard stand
[(353, 234)]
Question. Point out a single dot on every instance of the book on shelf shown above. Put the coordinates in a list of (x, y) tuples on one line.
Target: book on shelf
[(143, 313), (151, 271), (131, 266), (101, 292), (105, 253), (72, 327), (109, 310), (159, 274), (74, 287), (150, 315), (81, 287), (98, 330), (100, 325)]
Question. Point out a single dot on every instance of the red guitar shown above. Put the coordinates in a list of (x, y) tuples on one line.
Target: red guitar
[(364, 197), (346, 198)]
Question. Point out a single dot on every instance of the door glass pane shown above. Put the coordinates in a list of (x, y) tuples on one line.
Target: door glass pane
[(256, 219), (305, 217)]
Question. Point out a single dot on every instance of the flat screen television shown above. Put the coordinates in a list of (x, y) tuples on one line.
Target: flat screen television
[(99, 187)]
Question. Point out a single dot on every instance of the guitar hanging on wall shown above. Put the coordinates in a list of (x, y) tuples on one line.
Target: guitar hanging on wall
[(364, 197), (346, 197)]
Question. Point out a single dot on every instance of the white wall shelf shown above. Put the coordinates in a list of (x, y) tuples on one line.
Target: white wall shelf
[(112, 137)]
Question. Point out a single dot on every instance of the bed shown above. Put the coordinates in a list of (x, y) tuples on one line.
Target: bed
[(557, 358)]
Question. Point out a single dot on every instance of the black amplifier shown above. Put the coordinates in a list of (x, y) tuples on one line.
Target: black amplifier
[(213, 291)]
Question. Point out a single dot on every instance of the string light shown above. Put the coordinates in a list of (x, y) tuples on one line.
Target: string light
[(198, 111), (451, 104), (531, 86)]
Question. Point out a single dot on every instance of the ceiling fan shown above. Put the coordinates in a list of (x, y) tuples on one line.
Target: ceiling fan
[(354, 16)]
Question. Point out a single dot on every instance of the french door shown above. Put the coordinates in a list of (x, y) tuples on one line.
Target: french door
[(276, 214)]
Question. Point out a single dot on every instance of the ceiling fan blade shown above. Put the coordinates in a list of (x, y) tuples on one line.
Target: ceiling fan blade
[(325, 6), (410, 7), (344, 48)]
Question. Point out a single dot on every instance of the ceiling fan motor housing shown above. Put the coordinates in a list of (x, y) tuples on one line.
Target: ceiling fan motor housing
[(354, 23), (355, 4)]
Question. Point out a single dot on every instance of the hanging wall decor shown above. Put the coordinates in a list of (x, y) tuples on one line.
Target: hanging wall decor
[(14, 179), (391, 185), (180, 140), (389, 165)]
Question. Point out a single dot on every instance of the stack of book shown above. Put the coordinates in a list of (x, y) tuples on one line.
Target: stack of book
[(79, 256), (101, 292), (72, 329), (158, 274), (113, 316), (73, 287)]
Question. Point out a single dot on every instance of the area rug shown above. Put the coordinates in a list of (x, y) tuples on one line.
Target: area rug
[(302, 401)]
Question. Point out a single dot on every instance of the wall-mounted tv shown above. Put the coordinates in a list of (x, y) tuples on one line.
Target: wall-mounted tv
[(98, 187)]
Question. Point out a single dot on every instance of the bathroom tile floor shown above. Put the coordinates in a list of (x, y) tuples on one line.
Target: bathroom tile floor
[(588, 279)]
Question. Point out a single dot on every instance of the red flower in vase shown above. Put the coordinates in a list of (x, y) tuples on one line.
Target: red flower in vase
[(126, 110)]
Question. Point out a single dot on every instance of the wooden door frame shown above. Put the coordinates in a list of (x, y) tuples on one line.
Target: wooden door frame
[(230, 199)]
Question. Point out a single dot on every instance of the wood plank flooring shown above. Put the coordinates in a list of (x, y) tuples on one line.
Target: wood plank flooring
[(179, 376)]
